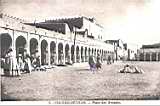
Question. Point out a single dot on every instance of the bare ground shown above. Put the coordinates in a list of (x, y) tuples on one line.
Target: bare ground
[(79, 83)]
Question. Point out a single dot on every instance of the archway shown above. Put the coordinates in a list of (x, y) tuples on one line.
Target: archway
[(5, 44), (72, 53), (105, 55), (86, 54), (95, 53), (53, 52), (60, 53), (21, 46), (82, 55), (141, 57), (153, 56), (77, 54), (147, 57), (102, 56), (67, 54), (92, 51), (33, 48), (89, 52), (44, 52), (158, 56)]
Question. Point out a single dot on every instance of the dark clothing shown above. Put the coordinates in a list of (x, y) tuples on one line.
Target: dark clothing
[(98, 64)]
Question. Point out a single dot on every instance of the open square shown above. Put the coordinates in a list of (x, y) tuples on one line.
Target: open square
[(78, 83)]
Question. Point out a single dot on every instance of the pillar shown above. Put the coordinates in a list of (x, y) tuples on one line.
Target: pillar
[(157, 56), (39, 49), (144, 56), (13, 48), (150, 56)]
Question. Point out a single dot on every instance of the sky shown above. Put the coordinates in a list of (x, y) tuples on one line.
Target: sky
[(134, 21)]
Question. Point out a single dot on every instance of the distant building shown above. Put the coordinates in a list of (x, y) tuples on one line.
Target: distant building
[(118, 48), (132, 51), (123, 51), (149, 52)]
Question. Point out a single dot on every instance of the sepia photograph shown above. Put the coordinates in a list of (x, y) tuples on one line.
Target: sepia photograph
[(80, 52)]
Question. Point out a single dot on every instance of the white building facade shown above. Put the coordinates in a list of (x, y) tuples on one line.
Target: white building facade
[(53, 48)]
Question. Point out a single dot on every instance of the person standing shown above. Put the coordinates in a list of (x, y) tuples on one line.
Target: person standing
[(98, 64), (109, 59), (16, 67), (20, 63), (8, 62), (27, 67), (92, 64)]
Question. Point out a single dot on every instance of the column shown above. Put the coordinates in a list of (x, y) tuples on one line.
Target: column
[(157, 56), (144, 56), (14, 50), (39, 50), (150, 56), (28, 44)]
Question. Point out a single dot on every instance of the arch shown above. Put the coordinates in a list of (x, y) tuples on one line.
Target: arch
[(44, 52), (33, 47), (102, 56), (67, 54), (92, 51), (159, 56), (89, 52), (153, 56), (86, 54), (147, 57), (95, 52), (21, 46), (53, 52), (141, 57), (77, 54), (5, 44), (60, 53), (82, 55), (105, 55), (72, 53), (100, 52)]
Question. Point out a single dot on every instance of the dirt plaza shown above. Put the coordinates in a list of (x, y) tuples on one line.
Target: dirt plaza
[(79, 83)]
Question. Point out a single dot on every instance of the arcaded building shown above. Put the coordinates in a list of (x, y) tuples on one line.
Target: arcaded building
[(149, 53), (59, 41)]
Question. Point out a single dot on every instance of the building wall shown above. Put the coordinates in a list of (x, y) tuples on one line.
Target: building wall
[(93, 29), (49, 44)]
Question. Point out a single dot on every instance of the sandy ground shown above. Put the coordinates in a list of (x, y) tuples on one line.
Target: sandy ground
[(79, 83)]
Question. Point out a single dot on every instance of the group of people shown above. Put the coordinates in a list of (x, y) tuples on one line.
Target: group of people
[(97, 64), (94, 65), (15, 66)]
